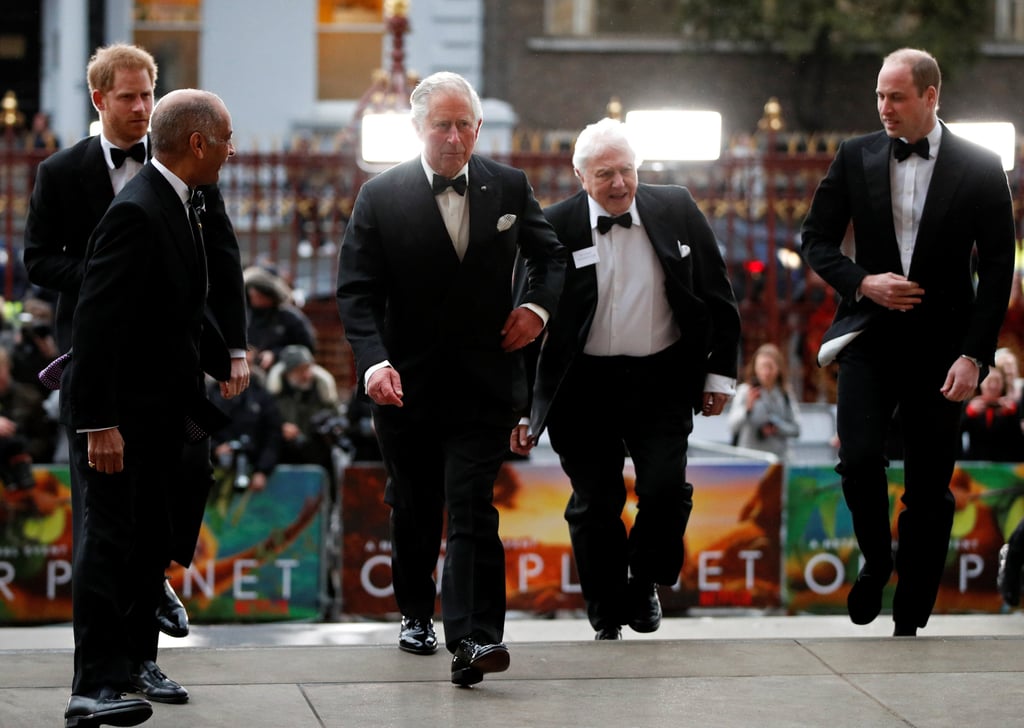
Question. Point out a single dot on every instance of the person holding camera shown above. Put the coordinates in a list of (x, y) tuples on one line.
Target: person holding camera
[(307, 398), (246, 450), (764, 413)]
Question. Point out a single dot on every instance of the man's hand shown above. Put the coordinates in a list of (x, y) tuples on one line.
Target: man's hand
[(106, 451), (961, 381), (521, 442), (892, 291), (521, 327), (385, 387), (239, 380), (714, 403)]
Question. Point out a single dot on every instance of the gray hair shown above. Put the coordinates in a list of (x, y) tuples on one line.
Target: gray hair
[(442, 82), (596, 137), (182, 112)]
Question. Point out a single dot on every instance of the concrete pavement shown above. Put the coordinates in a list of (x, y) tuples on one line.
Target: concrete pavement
[(964, 670)]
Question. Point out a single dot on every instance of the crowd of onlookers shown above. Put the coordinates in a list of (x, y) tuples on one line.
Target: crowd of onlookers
[(291, 413)]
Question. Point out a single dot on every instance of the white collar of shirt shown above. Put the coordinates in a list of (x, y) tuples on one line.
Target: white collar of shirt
[(180, 188), (108, 145), (430, 173), (596, 211)]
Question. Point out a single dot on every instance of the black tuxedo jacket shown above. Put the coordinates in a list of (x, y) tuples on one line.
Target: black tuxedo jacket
[(139, 317), (71, 193), (404, 296), (968, 206), (696, 285)]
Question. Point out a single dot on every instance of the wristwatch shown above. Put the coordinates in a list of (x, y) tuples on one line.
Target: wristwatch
[(977, 362)]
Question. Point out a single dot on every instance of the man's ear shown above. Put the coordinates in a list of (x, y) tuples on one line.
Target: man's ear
[(197, 144)]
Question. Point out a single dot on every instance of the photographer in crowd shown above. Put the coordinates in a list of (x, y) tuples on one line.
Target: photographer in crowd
[(764, 413)]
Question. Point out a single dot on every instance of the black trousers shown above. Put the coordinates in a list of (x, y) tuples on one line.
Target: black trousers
[(871, 387), (606, 406), (123, 532), (433, 464)]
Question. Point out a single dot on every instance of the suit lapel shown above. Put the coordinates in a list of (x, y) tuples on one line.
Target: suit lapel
[(656, 221), (420, 205), (484, 199), (96, 179), (946, 176)]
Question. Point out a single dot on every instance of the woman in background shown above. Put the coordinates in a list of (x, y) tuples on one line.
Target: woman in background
[(764, 412)]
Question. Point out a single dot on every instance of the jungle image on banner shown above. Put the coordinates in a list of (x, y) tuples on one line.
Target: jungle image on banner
[(733, 552), (259, 555), (822, 558)]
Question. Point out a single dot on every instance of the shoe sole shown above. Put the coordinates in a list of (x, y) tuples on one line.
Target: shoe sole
[(173, 631), (417, 650), (123, 717), (645, 627)]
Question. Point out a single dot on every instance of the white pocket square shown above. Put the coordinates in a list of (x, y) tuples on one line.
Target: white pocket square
[(505, 222), (684, 250)]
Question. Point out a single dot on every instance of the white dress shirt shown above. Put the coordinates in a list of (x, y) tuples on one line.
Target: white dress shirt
[(909, 182)]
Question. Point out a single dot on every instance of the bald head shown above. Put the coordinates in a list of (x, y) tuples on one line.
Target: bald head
[(191, 134)]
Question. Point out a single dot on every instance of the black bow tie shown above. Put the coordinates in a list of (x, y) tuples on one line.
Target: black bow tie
[(137, 152), (442, 183), (604, 223), (196, 201), (901, 149)]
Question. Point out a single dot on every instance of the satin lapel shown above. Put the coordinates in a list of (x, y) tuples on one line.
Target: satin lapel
[(875, 157), (484, 199), (656, 218), (418, 208), (946, 176), (95, 179)]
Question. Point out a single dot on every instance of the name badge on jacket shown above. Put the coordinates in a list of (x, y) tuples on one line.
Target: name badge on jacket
[(586, 256)]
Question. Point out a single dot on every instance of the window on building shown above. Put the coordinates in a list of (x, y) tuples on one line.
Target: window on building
[(350, 36), (169, 29), (610, 17), (1009, 21)]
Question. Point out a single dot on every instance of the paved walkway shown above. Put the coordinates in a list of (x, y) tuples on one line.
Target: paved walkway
[(696, 671)]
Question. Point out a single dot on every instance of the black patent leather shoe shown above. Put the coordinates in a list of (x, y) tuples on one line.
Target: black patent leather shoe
[(111, 708), (644, 607), (864, 602), (473, 660), (609, 633), (150, 680), (417, 636), (171, 614)]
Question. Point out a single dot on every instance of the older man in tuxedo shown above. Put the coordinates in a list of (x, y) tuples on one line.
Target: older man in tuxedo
[(646, 333), (425, 293), (132, 390), (930, 211), (73, 189)]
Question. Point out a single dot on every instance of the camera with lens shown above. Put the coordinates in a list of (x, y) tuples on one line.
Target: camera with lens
[(332, 426), (239, 460)]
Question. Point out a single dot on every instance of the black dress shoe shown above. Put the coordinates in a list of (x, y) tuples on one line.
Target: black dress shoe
[(644, 606), (864, 601), (171, 614), (905, 630), (609, 633), (473, 660), (417, 636), (150, 680), (111, 708)]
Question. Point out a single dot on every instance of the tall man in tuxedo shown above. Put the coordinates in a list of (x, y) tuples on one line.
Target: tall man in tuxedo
[(425, 293), (134, 382), (929, 211), (646, 334), (73, 189)]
